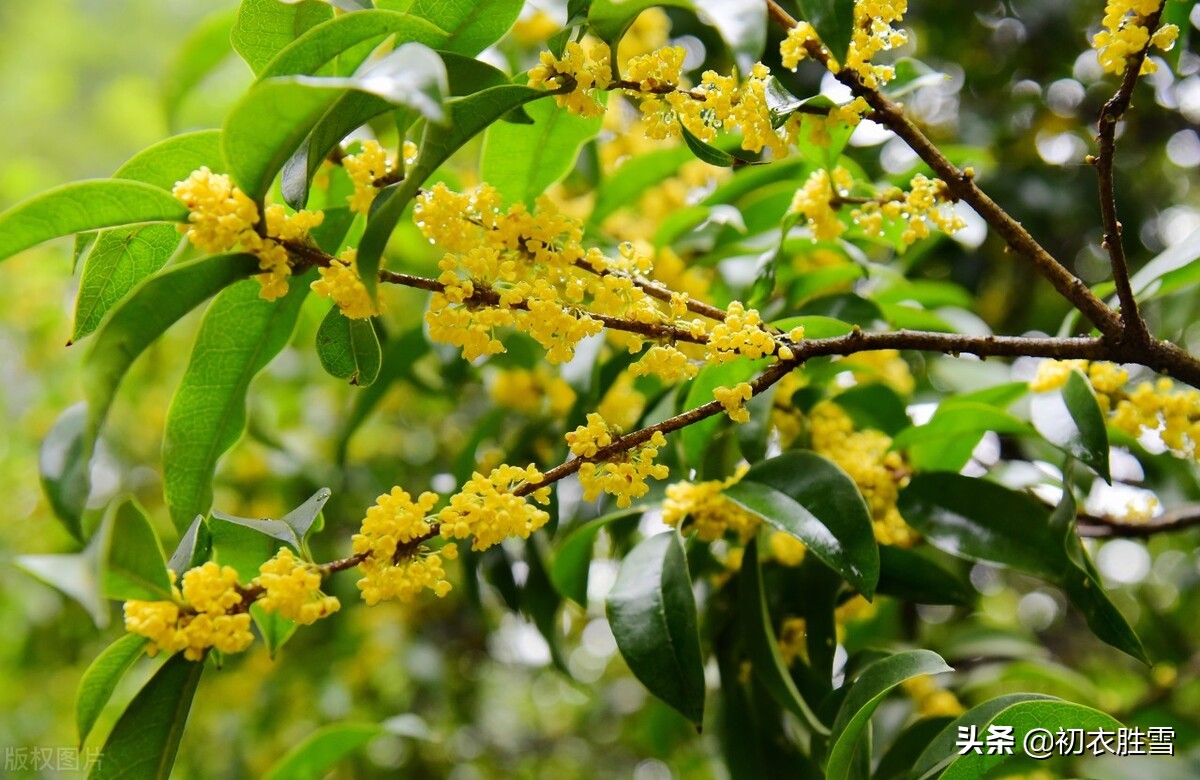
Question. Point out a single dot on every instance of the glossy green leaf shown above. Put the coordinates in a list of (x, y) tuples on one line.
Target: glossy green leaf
[(833, 21), (412, 75), (874, 405), (633, 178), (820, 141), (812, 499), (274, 628), (193, 548), (172, 159), (864, 696), (653, 616), (468, 116), (572, 559), (471, 26), (317, 753), (348, 112), (1024, 717), (134, 568), (118, 260), (77, 575), (815, 326), (324, 43), (1070, 419), (609, 19), (274, 529), (946, 441), (265, 27), (898, 760), (206, 47), (145, 740), (240, 334), (707, 153), (242, 547), (63, 460), (84, 205), (762, 645), (697, 436), (303, 518), (916, 578), (942, 749), (522, 161), (100, 680), (154, 306), (348, 348)]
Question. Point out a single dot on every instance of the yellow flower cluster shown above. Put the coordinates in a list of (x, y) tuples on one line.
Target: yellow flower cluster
[(624, 474), (926, 203), (865, 455), (222, 217), (817, 200), (930, 699), (703, 506), (486, 509), (532, 392), (200, 616), (530, 271), (292, 588), (396, 565), (873, 33), (740, 334), (666, 362), (881, 365), (340, 282), (367, 168), (578, 71), (1160, 406), (734, 400), (1125, 34)]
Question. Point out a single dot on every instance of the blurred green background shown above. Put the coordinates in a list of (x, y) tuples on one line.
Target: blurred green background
[(83, 90)]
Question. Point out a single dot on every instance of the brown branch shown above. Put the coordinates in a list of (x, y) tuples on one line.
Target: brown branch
[(1105, 527), (1106, 131)]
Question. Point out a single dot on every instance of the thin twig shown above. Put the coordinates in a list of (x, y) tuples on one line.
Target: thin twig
[(1106, 133), (1104, 527)]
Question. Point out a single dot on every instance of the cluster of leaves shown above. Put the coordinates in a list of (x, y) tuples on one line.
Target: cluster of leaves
[(319, 76)]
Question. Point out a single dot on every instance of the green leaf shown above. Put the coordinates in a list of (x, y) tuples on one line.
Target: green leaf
[(946, 442), (274, 628), (242, 547), (1025, 717), (349, 349), (240, 334), (697, 436), (134, 565), (625, 187), (914, 577), (572, 560), (653, 616), (816, 326), (707, 153), (874, 405), (100, 680), (193, 547), (833, 21), (265, 27), (154, 306), (412, 76), (316, 754), (943, 749), (304, 517), (63, 468), (522, 161), (84, 205), (468, 116), (762, 645), (609, 19), (1070, 419), (118, 260), (812, 499), (202, 51), (982, 521), (77, 575), (864, 696), (321, 45), (145, 740), (742, 25), (172, 159), (473, 26), (820, 141), (898, 760), (275, 529)]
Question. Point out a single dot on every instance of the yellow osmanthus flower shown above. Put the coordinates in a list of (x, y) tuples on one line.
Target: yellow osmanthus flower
[(927, 204), (486, 509), (815, 202), (793, 634), (666, 362), (881, 365), (340, 282), (703, 506), (865, 456), (535, 28), (872, 33), (292, 588), (221, 217), (658, 70), (200, 617), (368, 167), (786, 548), (648, 32), (1125, 34), (622, 475), (741, 334), (582, 71), (1160, 406), (532, 392), (930, 699), (734, 399), (396, 564)]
